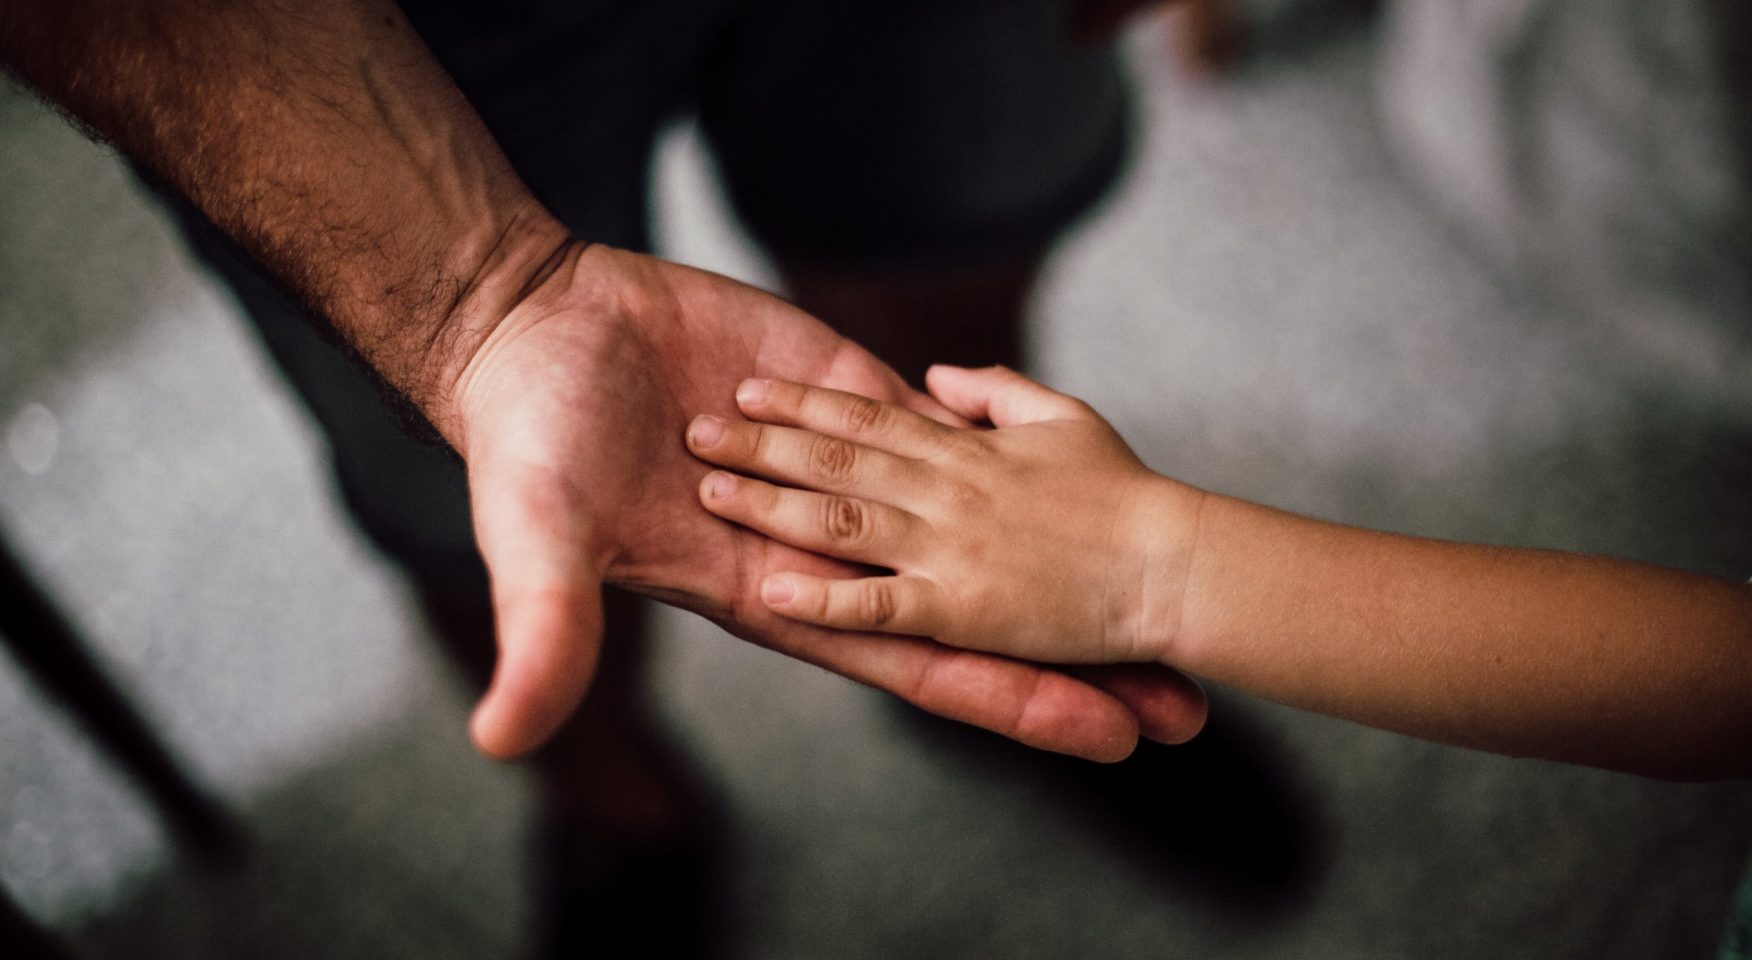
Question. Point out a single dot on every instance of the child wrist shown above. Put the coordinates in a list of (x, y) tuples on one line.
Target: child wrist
[(1167, 522)]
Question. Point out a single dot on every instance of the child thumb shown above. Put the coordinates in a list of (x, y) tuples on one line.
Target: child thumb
[(1000, 396)]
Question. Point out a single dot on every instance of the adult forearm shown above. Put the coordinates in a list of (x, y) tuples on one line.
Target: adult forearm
[(1525, 652), (324, 137)]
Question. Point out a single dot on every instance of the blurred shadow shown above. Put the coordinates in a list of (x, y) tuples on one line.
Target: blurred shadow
[(22, 938), (408, 845), (606, 896), (1221, 819), (596, 893), (1289, 36), (428, 872), (43, 640)]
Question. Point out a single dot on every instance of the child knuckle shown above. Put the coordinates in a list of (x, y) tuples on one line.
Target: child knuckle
[(832, 460), (877, 603), (823, 600), (759, 442), (963, 446), (864, 415), (961, 496), (845, 520)]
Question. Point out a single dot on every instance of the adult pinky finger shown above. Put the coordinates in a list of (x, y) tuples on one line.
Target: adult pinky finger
[(904, 604)]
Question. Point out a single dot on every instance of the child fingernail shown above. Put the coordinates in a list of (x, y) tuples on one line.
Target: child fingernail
[(753, 391), (705, 431), (720, 485), (777, 590)]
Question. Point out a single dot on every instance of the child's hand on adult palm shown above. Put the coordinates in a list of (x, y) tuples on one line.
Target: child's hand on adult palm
[(1045, 539)]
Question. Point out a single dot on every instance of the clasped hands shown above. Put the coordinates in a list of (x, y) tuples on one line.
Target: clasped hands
[(571, 414)]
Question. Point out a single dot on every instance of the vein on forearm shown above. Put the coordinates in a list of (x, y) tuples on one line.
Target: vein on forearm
[(323, 137)]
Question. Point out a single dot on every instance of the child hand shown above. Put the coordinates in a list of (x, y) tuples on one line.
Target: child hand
[(1044, 539)]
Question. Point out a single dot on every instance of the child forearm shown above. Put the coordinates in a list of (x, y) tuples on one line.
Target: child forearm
[(1047, 539), (1526, 652)]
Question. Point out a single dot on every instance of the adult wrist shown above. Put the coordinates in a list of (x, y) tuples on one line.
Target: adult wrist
[(500, 270)]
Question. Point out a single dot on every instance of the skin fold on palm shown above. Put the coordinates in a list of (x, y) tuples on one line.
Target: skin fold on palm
[(573, 413)]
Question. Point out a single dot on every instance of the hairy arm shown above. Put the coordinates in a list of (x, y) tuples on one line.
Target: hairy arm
[(324, 137)]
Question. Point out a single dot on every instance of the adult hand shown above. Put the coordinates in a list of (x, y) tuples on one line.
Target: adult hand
[(327, 141), (571, 415)]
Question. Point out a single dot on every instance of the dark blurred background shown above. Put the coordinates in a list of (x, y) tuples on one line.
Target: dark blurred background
[(1465, 269)]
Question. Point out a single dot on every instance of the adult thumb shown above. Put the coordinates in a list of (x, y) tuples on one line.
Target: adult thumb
[(547, 612)]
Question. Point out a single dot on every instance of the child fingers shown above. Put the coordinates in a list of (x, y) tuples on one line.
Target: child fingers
[(1001, 396), (843, 527), (903, 604), (843, 415), (800, 458)]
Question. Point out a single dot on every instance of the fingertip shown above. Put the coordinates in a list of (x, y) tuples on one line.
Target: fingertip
[(1110, 741), (490, 737), (1117, 750), (944, 373), (753, 392), (511, 722), (1177, 714), (508, 726), (1170, 706), (948, 386), (717, 487), (1182, 722), (705, 431), (778, 590), (548, 643), (1069, 716)]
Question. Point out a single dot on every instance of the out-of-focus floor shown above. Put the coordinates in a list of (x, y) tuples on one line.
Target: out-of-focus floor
[(1264, 310)]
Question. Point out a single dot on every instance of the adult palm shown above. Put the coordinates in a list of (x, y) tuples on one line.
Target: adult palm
[(572, 415)]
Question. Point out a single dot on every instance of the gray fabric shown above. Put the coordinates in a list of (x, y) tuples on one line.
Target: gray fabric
[(1596, 147)]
